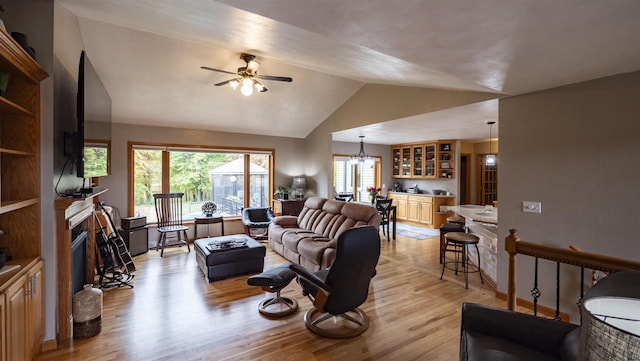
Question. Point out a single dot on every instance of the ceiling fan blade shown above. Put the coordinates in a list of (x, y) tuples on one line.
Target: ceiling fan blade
[(276, 78), (218, 70), (224, 82)]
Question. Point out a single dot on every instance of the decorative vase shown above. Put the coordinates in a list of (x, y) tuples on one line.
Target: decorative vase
[(208, 208), (87, 312)]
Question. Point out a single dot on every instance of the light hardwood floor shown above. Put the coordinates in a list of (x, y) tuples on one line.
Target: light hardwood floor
[(174, 314)]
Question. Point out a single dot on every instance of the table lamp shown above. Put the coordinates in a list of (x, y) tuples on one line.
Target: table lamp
[(610, 329), (299, 184)]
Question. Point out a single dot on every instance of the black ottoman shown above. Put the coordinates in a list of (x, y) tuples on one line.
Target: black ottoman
[(220, 264), (274, 280)]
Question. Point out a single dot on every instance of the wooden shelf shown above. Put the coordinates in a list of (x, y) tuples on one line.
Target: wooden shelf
[(20, 207), (8, 106), (10, 206), (15, 152)]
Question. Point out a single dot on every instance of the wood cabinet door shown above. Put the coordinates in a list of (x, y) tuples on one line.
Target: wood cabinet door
[(35, 310), (413, 211), (426, 212), (15, 322), (3, 334), (402, 209)]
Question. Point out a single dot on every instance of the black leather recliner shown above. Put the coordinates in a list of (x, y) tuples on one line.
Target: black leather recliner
[(258, 218), (338, 291)]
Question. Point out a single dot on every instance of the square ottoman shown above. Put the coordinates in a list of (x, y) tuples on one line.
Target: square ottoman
[(220, 264)]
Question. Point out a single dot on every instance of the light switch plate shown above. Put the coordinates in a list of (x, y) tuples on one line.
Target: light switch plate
[(531, 207)]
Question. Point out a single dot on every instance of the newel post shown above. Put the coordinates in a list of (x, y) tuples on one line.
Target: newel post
[(511, 247)]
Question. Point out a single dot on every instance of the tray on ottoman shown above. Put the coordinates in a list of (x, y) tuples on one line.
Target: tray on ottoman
[(217, 263)]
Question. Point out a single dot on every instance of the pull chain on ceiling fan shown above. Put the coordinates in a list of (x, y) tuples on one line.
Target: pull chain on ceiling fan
[(247, 76)]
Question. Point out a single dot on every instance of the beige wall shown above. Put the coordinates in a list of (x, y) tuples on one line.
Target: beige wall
[(375, 103), (576, 149), (289, 153)]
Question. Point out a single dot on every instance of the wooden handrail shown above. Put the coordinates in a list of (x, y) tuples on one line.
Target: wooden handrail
[(574, 256)]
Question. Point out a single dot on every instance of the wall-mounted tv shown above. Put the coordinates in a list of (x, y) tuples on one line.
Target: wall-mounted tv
[(93, 138)]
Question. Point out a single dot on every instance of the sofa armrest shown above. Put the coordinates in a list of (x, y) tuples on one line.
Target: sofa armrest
[(533, 332), (285, 221)]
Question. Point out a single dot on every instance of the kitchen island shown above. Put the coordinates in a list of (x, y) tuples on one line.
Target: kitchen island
[(483, 224)]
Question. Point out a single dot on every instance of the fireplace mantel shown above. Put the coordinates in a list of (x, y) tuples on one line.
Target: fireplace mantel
[(71, 212)]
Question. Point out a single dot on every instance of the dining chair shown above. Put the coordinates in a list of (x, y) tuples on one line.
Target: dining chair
[(169, 213), (384, 208)]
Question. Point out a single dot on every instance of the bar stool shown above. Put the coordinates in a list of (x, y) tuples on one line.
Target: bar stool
[(456, 219), (461, 241), (444, 229)]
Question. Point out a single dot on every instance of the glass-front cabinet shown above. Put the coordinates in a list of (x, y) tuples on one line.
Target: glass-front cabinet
[(401, 162), (414, 160), (417, 152)]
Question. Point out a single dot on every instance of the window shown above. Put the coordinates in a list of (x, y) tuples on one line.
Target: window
[(232, 179), (355, 177)]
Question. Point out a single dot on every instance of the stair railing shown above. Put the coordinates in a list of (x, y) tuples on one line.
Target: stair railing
[(571, 256)]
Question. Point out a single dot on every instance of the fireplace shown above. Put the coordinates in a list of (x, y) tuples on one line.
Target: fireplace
[(78, 258)]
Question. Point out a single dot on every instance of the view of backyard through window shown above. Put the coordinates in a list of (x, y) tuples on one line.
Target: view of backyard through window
[(202, 176)]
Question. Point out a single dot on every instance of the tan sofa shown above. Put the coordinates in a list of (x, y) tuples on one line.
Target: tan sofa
[(310, 238)]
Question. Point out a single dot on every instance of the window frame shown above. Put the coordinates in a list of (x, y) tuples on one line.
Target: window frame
[(166, 148), (356, 173)]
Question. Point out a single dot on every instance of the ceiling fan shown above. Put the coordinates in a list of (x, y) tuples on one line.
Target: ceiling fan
[(247, 76)]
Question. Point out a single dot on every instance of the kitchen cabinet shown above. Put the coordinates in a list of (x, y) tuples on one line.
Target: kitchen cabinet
[(400, 201), (430, 160), (401, 162), (446, 159), (421, 208), (22, 311), (423, 158)]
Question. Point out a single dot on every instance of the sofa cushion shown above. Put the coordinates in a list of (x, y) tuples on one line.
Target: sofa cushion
[(481, 347), (313, 248)]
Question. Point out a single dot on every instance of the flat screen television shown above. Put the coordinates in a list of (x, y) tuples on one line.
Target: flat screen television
[(93, 137)]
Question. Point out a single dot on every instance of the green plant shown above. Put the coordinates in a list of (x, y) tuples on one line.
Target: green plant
[(281, 190)]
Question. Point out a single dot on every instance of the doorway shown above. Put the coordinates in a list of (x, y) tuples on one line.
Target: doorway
[(465, 179)]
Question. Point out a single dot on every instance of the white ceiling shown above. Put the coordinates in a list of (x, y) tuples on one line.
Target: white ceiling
[(149, 52)]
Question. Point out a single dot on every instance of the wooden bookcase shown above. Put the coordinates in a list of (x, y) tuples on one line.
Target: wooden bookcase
[(20, 289)]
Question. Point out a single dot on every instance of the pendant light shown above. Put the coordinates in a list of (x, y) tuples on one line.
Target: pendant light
[(361, 156), (490, 159)]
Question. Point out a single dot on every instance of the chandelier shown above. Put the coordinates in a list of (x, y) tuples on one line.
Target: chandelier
[(362, 156)]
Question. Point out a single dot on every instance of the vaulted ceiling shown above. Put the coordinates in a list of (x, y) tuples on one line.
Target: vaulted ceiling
[(149, 52)]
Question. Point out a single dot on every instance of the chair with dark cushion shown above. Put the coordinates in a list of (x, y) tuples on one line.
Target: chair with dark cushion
[(338, 291), (344, 196), (384, 208), (259, 219)]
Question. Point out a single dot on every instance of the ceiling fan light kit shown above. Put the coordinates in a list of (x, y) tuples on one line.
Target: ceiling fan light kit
[(247, 76)]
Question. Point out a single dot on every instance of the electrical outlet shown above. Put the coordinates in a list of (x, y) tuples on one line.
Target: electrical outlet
[(531, 207)]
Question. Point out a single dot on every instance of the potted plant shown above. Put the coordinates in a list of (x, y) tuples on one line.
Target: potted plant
[(282, 192)]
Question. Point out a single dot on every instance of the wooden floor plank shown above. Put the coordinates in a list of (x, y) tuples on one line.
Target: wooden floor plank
[(172, 313)]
